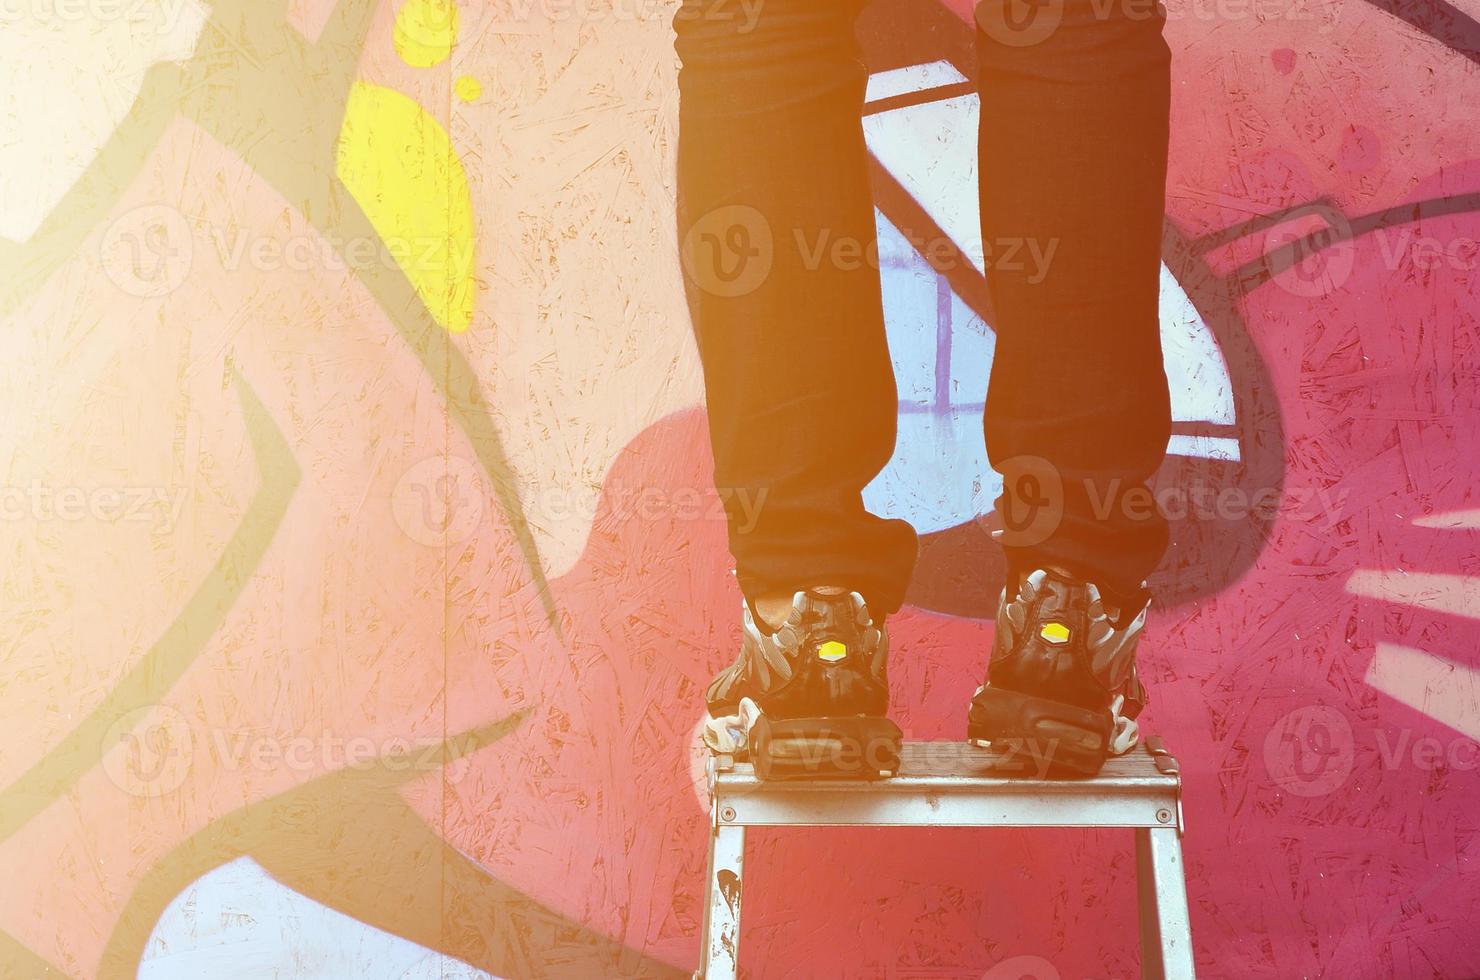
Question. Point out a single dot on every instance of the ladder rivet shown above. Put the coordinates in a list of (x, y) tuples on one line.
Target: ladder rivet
[(727, 813), (1164, 815)]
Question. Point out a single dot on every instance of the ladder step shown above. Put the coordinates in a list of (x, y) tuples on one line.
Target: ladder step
[(955, 784)]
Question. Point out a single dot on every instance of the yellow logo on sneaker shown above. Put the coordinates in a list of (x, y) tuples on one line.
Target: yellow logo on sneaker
[(832, 651), (1055, 633)]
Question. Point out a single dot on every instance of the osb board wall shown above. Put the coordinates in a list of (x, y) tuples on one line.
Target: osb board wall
[(357, 609)]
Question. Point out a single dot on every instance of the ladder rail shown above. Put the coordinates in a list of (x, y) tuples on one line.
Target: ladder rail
[(942, 784)]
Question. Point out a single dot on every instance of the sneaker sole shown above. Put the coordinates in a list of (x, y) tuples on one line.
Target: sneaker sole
[(828, 747), (1059, 740)]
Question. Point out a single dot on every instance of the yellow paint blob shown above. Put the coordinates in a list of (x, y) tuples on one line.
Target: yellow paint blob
[(425, 31), (399, 164), (468, 88)]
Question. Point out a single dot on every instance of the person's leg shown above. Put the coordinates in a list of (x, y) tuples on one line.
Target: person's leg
[(1074, 107), (776, 220), (773, 174), (1074, 112)]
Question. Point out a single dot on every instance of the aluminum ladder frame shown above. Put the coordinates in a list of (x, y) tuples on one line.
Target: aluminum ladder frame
[(954, 784)]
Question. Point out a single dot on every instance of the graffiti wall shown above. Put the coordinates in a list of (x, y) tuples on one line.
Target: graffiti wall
[(362, 575)]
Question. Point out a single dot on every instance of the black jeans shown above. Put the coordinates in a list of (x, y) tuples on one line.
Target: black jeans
[(801, 395)]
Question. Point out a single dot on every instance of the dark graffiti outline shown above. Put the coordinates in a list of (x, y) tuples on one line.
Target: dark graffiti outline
[(315, 818), (286, 132), (149, 680)]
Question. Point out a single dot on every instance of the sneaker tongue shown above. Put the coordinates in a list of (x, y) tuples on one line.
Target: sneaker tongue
[(1118, 608), (824, 610)]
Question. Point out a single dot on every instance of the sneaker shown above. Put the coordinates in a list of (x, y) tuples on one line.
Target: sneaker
[(1062, 681), (808, 699)]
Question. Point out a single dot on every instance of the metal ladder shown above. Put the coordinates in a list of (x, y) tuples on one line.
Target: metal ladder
[(953, 784)]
